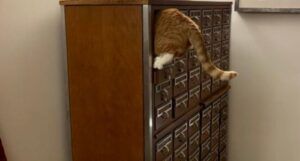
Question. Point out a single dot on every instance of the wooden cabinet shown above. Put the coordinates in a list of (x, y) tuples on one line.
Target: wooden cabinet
[(121, 108)]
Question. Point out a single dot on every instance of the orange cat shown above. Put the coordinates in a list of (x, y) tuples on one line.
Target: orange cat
[(174, 34)]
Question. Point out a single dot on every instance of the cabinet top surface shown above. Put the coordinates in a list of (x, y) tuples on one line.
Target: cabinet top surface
[(140, 2)]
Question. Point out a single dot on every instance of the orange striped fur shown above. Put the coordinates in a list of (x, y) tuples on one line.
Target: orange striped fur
[(174, 34)]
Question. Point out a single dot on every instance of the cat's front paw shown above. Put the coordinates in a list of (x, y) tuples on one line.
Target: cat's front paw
[(158, 64)]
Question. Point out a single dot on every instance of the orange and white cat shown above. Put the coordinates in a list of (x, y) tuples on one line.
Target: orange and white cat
[(175, 33)]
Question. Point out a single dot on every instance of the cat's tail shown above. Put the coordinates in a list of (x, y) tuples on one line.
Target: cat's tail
[(197, 41)]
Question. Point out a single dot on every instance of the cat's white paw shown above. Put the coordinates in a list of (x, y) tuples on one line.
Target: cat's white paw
[(158, 64), (162, 60)]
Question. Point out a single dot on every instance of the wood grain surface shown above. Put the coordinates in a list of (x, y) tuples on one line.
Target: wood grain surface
[(104, 46)]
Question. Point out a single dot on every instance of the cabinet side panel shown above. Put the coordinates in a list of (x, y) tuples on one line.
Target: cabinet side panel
[(105, 82)]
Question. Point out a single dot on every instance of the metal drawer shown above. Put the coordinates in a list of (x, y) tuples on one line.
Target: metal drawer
[(205, 133), (180, 135), (194, 97), (206, 116), (181, 153), (194, 142), (163, 115), (181, 104), (205, 149), (163, 75), (180, 84), (194, 77), (162, 93), (164, 148), (194, 124), (180, 65), (207, 18), (217, 18)]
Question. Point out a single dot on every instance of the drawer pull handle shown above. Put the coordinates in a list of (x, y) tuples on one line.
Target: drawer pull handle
[(196, 142), (182, 156), (181, 138), (168, 73), (165, 150), (182, 83), (207, 18), (196, 18), (183, 104), (181, 66), (165, 95), (165, 115)]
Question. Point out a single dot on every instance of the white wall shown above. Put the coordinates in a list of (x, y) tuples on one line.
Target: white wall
[(33, 117), (265, 98)]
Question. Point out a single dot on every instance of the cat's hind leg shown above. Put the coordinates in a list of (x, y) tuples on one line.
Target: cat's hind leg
[(162, 60)]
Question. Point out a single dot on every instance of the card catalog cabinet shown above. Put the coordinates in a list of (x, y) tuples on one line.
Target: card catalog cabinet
[(121, 109)]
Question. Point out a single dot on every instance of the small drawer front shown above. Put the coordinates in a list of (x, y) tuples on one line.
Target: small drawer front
[(204, 76), (215, 125), (194, 142), (196, 15), (207, 36), (205, 133), (216, 84), (223, 155), (194, 77), (206, 116), (180, 65), (180, 135), (223, 142), (208, 49), (208, 157), (225, 63), (205, 149), (215, 108), (180, 84), (181, 105), (181, 153), (186, 12), (162, 93), (194, 97), (224, 114), (224, 101), (217, 34), (207, 18), (164, 148), (226, 16), (195, 156), (194, 123), (216, 54), (225, 49), (205, 89), (163, 75), (217, 19), (163, 115), (223, 130), (215, 153), (193, 60), (226, 33), (215, 139)]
